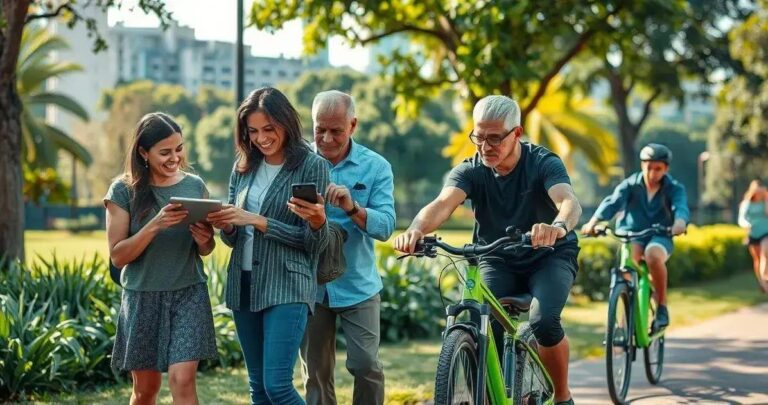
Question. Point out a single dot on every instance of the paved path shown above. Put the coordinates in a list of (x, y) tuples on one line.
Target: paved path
[(720, 361)]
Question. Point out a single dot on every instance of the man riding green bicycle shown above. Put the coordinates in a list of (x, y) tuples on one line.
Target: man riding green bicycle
[(515, 183), (648, 197)]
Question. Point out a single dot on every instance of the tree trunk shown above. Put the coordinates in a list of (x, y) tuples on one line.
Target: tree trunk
[(11, 202), (627, 130)]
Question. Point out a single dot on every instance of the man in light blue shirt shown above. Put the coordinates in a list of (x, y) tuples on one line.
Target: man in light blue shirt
[(360, 199)]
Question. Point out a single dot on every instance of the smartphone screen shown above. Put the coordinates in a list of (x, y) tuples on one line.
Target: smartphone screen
[(305, 191)]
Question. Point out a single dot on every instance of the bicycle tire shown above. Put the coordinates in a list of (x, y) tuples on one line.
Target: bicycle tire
[(653, 355), (531, 385), (459, 345), (618, 341)]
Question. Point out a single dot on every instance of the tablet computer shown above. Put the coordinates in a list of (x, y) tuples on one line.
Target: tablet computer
[(198, 208)]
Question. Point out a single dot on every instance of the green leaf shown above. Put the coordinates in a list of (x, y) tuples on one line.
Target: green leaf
[(59, 100)]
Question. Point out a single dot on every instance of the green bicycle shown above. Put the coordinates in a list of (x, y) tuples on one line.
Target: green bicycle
[(631, 307), (469, 370)]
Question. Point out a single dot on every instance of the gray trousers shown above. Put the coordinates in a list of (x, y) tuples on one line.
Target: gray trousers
[(361, 327)]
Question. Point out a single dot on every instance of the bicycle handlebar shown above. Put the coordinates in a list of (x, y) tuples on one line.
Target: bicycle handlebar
[(428, 245), (629, 236)]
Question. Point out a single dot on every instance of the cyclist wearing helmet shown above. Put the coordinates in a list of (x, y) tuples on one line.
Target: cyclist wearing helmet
[(649, 197)]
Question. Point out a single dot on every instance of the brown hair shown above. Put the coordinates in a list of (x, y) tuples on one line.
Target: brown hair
[(151, 129), (749, 195), (279, 111)]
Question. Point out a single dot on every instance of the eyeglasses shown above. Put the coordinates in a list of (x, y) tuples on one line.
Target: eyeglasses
[(492, 139)]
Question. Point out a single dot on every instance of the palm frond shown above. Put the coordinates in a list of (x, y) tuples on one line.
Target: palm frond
[(34, 76), (59, 100)]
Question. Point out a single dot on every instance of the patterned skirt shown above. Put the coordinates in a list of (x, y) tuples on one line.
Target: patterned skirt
[(158, 328)]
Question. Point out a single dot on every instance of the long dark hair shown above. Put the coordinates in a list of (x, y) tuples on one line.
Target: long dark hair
[(152, 128), (279, 111)]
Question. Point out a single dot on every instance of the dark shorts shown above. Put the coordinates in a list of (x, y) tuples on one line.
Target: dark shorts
[(756, 240), (156, 329), (549, 280)]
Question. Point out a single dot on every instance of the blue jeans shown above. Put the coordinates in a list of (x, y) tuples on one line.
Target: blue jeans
[(270, 340)]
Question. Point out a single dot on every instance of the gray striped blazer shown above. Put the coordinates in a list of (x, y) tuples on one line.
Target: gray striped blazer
[(285, 257)]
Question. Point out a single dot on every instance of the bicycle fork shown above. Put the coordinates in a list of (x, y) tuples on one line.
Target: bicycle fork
[(617, 277)]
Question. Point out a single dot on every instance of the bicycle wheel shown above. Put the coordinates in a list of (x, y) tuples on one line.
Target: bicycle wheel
[(618, 343), (654, 353), (456, 378), (531, 385)]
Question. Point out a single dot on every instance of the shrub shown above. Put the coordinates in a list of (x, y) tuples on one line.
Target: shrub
[(58, 321), (411, 306), (704, 253)]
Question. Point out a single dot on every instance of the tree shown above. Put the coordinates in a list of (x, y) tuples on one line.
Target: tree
[(14, 15), (738, 141), (214, 143), (479, 48), (656, 49)]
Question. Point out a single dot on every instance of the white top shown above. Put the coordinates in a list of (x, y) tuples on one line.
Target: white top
[(256, 194)]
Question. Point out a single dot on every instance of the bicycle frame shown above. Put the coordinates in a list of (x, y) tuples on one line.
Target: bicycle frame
[(478, 299), (641, 291)]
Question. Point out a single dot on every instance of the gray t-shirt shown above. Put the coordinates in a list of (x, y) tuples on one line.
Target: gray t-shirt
[(171, 261), (518, 199)]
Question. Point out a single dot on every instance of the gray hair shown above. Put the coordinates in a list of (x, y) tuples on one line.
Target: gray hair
[(328, 102), (497, 108)]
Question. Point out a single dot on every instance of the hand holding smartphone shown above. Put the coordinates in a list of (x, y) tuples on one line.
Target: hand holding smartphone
[(305, 191)]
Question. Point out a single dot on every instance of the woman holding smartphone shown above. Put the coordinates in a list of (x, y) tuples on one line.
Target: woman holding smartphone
[(276, 241), (165, 321)]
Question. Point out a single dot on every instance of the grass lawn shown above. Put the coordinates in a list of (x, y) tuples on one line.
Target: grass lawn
[(409, 366)]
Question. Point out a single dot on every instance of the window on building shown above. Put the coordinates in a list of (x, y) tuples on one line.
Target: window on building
[(281, 73), (207, 69), (226, 69), (226, 83), (266, 72)]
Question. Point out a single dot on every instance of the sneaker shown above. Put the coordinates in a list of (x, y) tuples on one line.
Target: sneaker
[(662, 317), (568, 402)]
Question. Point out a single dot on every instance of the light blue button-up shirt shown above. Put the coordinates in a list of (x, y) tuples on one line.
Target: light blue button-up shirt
[(368, 176)]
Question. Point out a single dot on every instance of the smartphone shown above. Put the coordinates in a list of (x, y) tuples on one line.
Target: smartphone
[(305, 191)]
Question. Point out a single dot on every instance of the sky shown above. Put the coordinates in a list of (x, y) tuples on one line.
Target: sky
[(216, 20)]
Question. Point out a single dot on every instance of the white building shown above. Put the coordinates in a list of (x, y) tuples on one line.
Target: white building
[(170, 56)]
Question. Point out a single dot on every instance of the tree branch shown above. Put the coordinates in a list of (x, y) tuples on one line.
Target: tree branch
[(403, 28), (56, 13), (544, 82), (647, 109)]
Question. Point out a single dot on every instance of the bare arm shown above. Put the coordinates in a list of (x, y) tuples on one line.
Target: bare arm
[(567, 204), (124, 249), (430, 218)]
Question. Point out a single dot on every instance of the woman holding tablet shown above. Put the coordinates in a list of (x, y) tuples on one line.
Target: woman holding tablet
[(276, 241), (165, 321)]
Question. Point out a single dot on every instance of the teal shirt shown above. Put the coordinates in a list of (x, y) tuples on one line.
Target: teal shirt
[(171, 261), (757, 219)]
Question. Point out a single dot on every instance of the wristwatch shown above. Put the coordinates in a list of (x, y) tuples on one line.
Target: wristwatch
[(354, 209), (561, 224)]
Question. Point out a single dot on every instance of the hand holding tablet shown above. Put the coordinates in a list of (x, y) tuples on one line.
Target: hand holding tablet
[(198, 208)]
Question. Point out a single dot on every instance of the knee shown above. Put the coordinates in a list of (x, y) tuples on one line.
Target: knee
[(278, 390), (366, 365), (181, 382), (656, 259), (547, 329), (146, 390)]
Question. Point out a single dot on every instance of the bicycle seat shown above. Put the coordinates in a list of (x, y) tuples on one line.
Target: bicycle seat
[(518, 303)]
